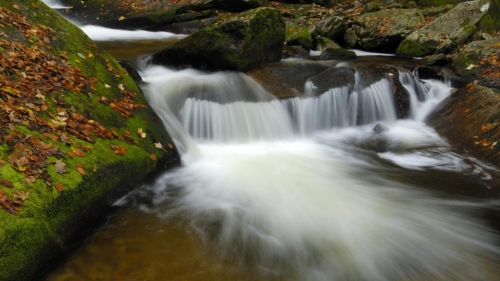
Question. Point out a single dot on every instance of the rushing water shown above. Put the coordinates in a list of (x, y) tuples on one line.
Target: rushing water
[(319, 187)]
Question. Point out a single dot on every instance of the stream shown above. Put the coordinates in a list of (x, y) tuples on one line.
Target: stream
[(319, 187)]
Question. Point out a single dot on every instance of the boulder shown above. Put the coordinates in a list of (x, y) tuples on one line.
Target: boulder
[(76, 134), (429, 38), (456, 39), (480, 60), (332, 27), (254, 37), (386, 27), (156, 15), (470, 121)]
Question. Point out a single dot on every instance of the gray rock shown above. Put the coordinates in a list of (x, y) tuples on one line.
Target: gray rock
[(456, 39), (428, 39), (333, 27), (254, 38), (350, 37), (386, 26)]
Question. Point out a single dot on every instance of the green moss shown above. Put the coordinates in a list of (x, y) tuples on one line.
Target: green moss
[(410, 48), (297, 35)]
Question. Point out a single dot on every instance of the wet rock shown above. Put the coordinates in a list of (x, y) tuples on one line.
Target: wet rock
[(429, 72), (324, 43), (429, 38), (480, 60), (337, 54), (470, 121), (380, 128), (296, 52), (386, 27), (253, 38), (437, 60), (333, 78), (286, 80)]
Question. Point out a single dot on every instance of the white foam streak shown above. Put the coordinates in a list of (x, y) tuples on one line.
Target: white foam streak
[(99, 33)]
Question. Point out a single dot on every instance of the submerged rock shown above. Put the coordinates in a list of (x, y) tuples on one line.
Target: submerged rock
[(254, 38), (386, 27), (429, 38)]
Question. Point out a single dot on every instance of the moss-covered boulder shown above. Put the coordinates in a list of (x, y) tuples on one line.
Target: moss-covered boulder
[(254, 37), (153, 15), (480, 60), (75, 133), (386, 27), (470, 121), (429, 38)]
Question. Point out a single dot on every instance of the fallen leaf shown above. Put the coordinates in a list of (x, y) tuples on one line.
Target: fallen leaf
[(158, 145), (6, 183), (80, 170), (59, 187), (153, 157), (59, 165), (15, 6), (21, 195)]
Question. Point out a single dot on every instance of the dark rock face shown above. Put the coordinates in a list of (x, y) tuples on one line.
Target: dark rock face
[(254, 38), (480, 60), (470, 120)]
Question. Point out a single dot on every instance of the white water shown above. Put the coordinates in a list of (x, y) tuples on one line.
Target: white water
[(99, 33), (288, 186)]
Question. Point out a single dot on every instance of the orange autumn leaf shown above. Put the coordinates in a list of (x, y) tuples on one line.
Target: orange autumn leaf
[(81, 171), (153, 157), (59, 187)]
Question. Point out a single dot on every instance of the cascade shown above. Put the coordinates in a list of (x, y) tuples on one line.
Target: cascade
[(325, 186)]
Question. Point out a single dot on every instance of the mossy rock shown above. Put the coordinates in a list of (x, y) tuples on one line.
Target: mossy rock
[(429, 38), (254, 38), (479, 61), (62, 202), (297, 35)]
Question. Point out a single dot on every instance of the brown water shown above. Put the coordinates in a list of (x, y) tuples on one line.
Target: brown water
[(136, 245)]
